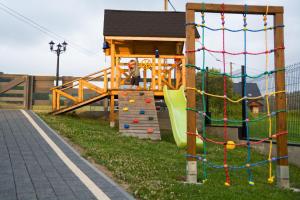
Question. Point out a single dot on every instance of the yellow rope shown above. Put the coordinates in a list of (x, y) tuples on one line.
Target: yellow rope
[(271, 177), (232, 100)]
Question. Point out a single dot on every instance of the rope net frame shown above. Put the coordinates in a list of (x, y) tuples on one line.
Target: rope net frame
[(203, 113)]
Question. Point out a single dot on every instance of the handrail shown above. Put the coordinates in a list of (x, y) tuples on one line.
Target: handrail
[(81, 79), (106, 69)]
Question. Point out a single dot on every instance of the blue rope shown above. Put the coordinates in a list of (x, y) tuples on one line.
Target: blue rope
[(245, 94), (249, 165)]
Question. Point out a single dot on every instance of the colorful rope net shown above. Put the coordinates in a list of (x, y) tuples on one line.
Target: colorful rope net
[(203, 113)]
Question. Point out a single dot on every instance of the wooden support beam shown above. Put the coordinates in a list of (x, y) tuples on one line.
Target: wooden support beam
[(112, 111), (191, 100), (159, 74), (281, 123), (80, 91), (59, 92), (183, 73), (57, 100), (230, 8), (145, 78), (153, 69), (54, 95), (28, 92), (91, 86), (112, 65), (118, 73), (105, 81)]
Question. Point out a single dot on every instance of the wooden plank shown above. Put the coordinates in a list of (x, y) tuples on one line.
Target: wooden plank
[(12, 84), (230, 8), (14, 92), (12, 99), (41, 102)]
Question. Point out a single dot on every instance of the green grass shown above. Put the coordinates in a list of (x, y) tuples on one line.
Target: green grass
[(156, 170), (260, 129)]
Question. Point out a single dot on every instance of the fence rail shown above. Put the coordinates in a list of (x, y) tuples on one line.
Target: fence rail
[(292, 88)]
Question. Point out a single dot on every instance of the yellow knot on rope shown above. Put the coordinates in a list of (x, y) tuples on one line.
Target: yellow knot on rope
[(271, 179)]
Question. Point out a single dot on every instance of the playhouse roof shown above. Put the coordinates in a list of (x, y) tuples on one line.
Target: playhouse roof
[(252, 89), (144, 24)]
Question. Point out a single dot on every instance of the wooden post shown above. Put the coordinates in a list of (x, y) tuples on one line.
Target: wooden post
[(145, 78), (183, 71), (191, 99), (112, 111), (118, 74), (54, 107), (112, 65), (80, 91), (153, 74), (159, 74), (57, 101), (281, 123), (28, 92), (105, 81), (166, 5), (170, 76)]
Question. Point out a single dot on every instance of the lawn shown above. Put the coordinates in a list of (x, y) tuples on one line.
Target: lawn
[(156, 170)]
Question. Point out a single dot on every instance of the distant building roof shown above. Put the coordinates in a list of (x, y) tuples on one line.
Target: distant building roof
[(144, 24), (252, 89)]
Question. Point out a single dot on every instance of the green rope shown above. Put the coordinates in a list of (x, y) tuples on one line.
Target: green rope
[(233, 120), (203, 97), (203, 70)]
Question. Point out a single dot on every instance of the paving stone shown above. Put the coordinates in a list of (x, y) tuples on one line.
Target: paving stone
[(32, 170)]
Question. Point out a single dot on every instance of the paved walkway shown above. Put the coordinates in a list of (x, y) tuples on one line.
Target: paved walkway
[(35, 163)]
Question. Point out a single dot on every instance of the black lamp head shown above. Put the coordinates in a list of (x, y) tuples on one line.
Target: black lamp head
[(64, 45), (51, 45)]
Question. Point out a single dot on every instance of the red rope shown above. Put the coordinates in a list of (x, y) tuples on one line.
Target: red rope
[(225, 94), (240, 144)]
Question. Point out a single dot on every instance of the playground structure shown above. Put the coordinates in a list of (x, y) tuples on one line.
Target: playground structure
[(159, 55), (281, 124)]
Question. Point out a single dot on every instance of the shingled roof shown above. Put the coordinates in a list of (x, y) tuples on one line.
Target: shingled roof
[(144, 24), (252, 89)]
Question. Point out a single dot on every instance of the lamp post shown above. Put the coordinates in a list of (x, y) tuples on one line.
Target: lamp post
[(60, 49)]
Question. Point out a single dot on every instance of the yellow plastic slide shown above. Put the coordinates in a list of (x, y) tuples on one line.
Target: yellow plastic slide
[(176, 103)]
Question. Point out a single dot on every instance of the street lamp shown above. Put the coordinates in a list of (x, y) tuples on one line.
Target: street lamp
[(60, 49)]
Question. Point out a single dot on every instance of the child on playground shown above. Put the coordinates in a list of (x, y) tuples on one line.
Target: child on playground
[(134, 73)]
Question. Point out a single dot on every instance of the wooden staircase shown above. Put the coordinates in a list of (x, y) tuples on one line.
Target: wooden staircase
[(138, 115), (81, 85)]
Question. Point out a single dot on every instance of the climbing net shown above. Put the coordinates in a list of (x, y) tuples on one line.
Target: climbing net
[(227, 144)]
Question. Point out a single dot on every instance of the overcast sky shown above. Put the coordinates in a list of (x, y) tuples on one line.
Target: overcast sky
[(25, 50)]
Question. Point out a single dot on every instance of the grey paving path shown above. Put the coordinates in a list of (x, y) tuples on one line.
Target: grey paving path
[(30, 169)]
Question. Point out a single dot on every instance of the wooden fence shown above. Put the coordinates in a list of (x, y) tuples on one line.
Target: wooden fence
[(25, 91)]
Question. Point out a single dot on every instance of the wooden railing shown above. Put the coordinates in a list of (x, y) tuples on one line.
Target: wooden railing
[(80, 85), (158, 70)]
